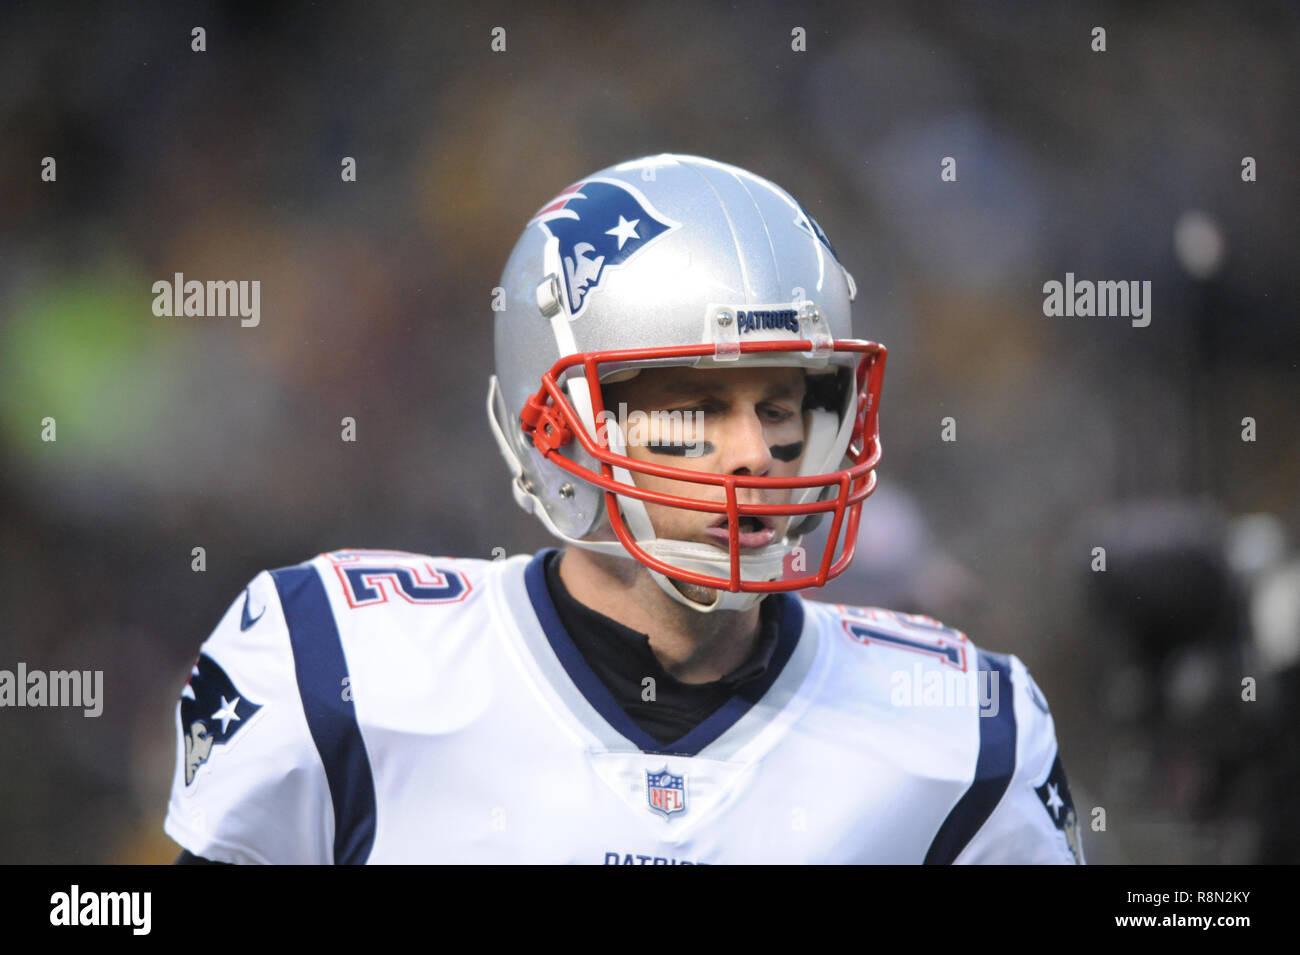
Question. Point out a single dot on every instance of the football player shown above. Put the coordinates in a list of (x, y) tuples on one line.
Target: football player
[(679, 399)]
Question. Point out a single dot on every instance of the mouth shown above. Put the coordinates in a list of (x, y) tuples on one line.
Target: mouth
[(754, 532)]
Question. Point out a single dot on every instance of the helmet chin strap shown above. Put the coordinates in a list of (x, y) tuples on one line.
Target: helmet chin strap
[(764, 564), (674, 552)]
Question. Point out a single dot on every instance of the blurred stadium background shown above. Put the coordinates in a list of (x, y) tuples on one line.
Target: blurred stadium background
[(1073, 433)]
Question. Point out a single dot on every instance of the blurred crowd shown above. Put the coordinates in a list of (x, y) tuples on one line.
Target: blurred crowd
[(1071, 433)]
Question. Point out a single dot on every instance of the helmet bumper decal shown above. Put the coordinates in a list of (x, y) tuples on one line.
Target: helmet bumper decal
[(550, 422)]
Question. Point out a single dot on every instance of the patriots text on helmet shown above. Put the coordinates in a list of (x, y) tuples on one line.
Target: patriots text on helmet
[(785, 319)]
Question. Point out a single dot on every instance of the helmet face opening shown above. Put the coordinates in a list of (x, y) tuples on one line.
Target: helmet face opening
[(571, 406)]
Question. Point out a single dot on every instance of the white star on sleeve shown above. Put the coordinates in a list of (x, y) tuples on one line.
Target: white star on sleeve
[(1054, 801), (226, 713), (624, 230)]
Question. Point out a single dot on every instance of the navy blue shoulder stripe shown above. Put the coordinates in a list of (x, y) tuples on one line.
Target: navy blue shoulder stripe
[(321, 669), (994, 768)]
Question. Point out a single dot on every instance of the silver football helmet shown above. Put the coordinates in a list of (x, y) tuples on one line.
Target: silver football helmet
[(680, 260)]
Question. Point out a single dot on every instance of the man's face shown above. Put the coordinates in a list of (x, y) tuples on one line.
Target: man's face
[(725, 421)]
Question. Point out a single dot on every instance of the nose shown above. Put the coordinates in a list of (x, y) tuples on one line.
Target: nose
[(745, 444)]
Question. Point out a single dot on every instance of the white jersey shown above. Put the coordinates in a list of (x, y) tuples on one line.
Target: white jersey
[(373, 706)]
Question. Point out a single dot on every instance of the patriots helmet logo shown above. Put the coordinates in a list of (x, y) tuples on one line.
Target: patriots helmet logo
[(213, 710), (601, 224)]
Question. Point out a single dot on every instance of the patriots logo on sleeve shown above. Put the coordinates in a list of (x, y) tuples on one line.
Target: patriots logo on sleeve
[(1054, 794), (601, 224), (213, 710)]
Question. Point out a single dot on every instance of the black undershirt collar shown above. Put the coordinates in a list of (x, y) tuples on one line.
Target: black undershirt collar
[(621, 658)]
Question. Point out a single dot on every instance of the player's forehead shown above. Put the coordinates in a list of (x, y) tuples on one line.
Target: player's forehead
[(683, 381)]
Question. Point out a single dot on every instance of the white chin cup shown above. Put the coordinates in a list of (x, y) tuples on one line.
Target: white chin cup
[(766, 563)]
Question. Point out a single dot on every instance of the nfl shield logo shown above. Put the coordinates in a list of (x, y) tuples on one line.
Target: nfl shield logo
[(665, 792)]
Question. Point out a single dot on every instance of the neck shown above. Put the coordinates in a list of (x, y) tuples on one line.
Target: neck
[(693, 647)]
